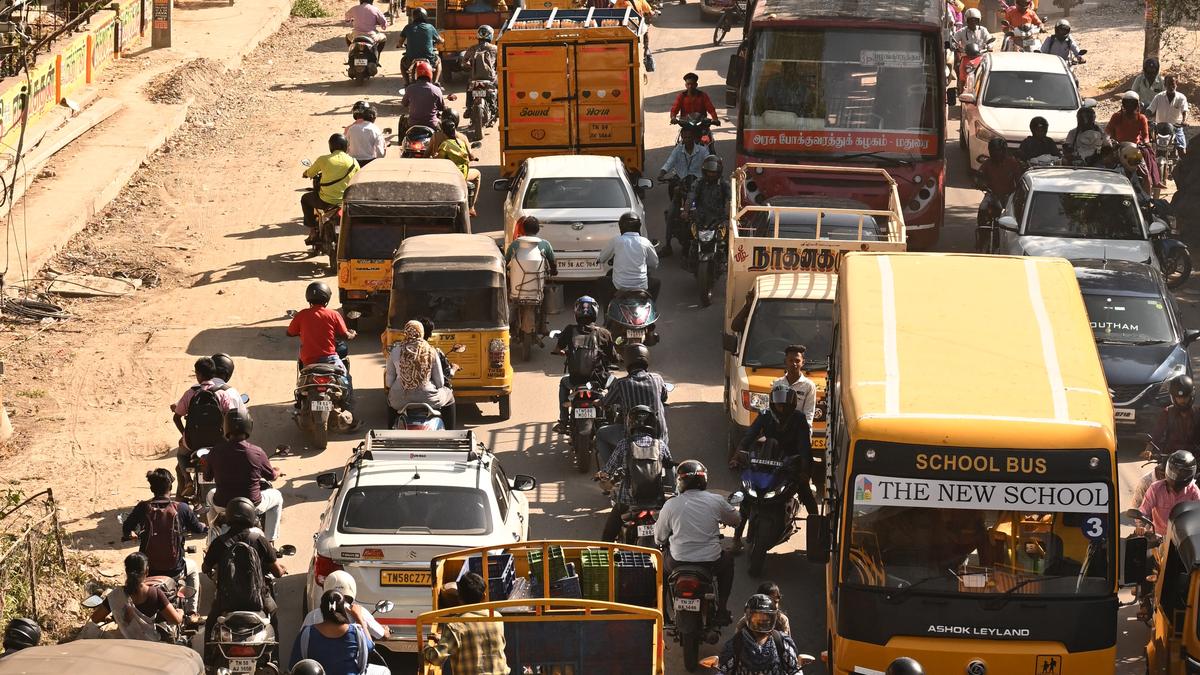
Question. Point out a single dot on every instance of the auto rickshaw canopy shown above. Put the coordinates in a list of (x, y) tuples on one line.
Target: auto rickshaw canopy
[(104, 657), (458, 280), (1185, 533), (422, 187)]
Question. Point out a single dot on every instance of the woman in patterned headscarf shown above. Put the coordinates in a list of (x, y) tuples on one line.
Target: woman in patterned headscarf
[(414, 375)]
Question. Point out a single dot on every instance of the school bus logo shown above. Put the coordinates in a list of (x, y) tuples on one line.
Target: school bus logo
[(862, 491), (1048, 665)]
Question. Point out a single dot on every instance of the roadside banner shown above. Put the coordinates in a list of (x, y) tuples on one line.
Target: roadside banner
[(129, 21), (72, 67), (103, 45)]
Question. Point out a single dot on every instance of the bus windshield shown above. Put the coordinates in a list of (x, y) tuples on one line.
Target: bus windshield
[(977, 537), (840, 92)]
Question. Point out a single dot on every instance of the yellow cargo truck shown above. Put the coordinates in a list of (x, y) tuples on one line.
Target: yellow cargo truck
[(571, 84), (784, 253)]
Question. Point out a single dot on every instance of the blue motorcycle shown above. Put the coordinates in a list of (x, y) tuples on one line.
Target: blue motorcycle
[(768, 500)]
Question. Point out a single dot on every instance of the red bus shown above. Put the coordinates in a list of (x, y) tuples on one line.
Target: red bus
[(858, 82)]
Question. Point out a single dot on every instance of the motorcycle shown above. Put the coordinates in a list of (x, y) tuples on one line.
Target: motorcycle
[(527, 282), (418, 417), (1144, 596), (362, 61), (584, 419), (1023, 38), (631, 318), (701, 126), (705, 256), (1173, 256), (1166, 149), (321, 392), (637, 523), (245, 643), (174, 634), (482, 109), (693, 597), (329, 225), (733, 15), (768, 501), (677, 228), (417, 143), (966, 65)]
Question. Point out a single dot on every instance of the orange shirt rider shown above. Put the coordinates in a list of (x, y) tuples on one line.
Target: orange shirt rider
[(1021, 14)]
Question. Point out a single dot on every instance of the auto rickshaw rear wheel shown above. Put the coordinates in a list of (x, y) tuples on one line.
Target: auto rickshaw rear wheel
[(505, 407)]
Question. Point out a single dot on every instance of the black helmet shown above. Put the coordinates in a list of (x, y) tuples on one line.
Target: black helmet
[(637, 357), (630, 222), (1062, 28), (972, 50), (359, 108), (338, 142), (21, 633), (307, 667), (318, 293), (691, 475), (761, 614), (997, 145), (1181, 469), (420, 15), (1164, 129), (641, 419), (1038, 122), (586, 309), (1181, 385), (449, 125), (905, 666), (240, 512), (224, 364), (238, 422), (783, 399), (711, 164), (449, 115)]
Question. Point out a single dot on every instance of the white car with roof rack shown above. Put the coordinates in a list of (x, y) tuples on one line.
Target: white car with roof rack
[(404, 497)]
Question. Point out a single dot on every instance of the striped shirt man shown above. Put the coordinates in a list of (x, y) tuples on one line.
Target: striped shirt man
[(641, 388)]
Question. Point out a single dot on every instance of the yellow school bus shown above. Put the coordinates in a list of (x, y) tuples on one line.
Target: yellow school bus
[(971, 503)]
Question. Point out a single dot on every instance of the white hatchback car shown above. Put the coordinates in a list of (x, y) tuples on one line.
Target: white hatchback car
[(1076, 213), (1007, 91), (578, 200), (404, 497)]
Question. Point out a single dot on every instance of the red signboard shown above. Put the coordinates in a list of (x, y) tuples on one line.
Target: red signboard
[(838, 141)]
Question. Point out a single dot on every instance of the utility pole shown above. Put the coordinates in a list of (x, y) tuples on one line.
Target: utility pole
[(160, 23)]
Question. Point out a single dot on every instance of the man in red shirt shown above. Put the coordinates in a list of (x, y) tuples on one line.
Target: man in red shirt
[(1000, 172), (1021, 14), (692, 100), (1129, 125), (318, 328)]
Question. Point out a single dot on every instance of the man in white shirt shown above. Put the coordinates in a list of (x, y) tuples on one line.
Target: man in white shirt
[(632, 257), (793, 376), (972, 32), (366, 140), (1171, 106), (686, 157)]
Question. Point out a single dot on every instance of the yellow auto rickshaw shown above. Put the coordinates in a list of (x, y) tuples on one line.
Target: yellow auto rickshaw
[(1174, 644), (458, 282), (386, 202), (104, 657)]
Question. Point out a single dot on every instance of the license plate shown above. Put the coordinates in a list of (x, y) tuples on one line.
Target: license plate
[(578, 264), (766, 462), (647, 531), (360, 62), (635, 334), (242, 665), (585, 413), (404, 578), (1124, 415), (818, 443), (479, 93), (321, 406), (687, 604)]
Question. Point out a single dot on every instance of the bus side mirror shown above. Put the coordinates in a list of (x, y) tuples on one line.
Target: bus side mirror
[(733, 76), (729, 343), (1133, 561), (817, 543)]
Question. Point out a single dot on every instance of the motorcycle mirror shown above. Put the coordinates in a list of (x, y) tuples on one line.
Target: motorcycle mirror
[(245, 398), (387, 130), (669, 387), (291, 313), (477, 144), (805, 659), (93, 602), (554, 334), (305, 162), (384, 606), (1082, 52), (353, 314), (287, 549)]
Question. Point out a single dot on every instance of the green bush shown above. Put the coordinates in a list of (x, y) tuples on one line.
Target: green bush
[(308, 9)]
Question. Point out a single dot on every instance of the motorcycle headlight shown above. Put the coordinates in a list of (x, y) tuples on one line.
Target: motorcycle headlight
[(751, 491), (770, 495), (706, 235)]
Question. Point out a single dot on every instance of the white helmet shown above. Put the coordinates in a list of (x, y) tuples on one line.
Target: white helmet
[(1131, 96), (972, 14), (342, 582), (485, 33), (1063, 23)]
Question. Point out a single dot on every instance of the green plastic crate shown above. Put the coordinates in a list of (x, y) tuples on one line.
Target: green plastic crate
[(594, 573), (558, 564)]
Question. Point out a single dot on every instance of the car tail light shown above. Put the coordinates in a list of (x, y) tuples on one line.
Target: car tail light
[(242, 650), (687, 587), (323, 567)]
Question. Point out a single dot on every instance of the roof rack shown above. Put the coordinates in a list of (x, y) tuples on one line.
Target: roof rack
[(388, 444)]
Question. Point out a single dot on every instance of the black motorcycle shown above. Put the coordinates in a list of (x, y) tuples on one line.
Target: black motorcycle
[(321, 399), (362, 60), (693, 596), (585, 416), (769, 503), (677, 226), (329, 225), (705, 256), (1166, 150), (245, 642), (481, 106), (1172, 254), (631, 318)]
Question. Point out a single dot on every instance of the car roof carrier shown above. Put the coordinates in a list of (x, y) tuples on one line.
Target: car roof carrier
[(384, 444)]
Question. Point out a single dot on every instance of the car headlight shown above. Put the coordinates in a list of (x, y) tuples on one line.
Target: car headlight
[(755, 400), (706, 235), (1164, 389), (985, 134)]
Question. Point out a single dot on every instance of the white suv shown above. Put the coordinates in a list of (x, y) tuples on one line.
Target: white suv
[(404, 497)]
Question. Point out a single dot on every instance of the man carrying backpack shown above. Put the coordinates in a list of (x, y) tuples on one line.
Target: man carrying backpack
[(644, 458), (589, 350), (759, 648), (238, 562), (638, 387), (199, 416), (160, 525)]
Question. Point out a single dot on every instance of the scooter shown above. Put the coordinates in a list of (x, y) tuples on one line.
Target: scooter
[(362, 60), (419, 417), (321, 394), (1144, 595), (245, 643), (170, 633), (1172, 254), (329, 225), (631, 318), (768, 501), (417, 143), (584, 419), (1023, 38), (1166, 149)]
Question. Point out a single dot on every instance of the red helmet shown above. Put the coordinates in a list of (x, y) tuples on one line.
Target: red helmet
[(424, 70)]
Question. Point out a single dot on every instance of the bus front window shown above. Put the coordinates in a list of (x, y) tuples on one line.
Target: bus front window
[(843, 92), (937, 546)]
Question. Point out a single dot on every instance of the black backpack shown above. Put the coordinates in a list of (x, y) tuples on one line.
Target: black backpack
[(205, 421), (240, 582), (584, 357), (162, 540), (644, 468), (780, 651)]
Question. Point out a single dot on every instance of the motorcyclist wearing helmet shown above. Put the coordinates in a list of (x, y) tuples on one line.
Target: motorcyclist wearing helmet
[(419, 38), (689, 529), (366, 140), (481, 58), (759, 647), (1134, 166), (20, 633), (1082, 147), (599, 349), (972, 32), (366, 19), (224, 374), (904, 666), (307, 666), (1179, 423), (201, 430), (632, 256), (1129, 125), (1020, 14), (1062, 45), (1177, 486), (708, 200), (332, 173), (639, 387), (1038, 143), (242, 518), (1148, 82), (319, 329), (456, 148), (1001, 172), (239, 469), (137, 526), (642, 435), (423, 100)]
